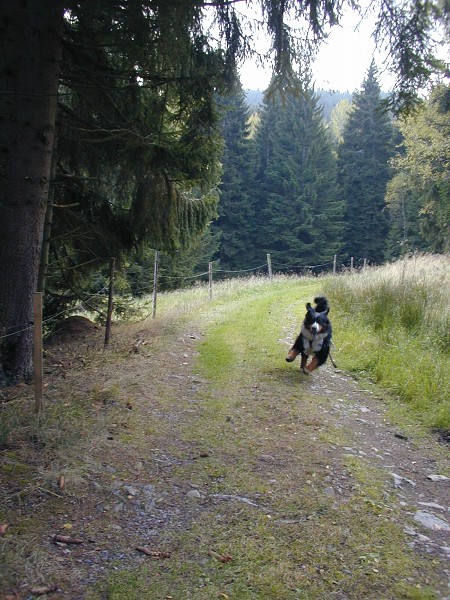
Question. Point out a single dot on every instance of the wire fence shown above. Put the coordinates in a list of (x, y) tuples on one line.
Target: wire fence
[(16, 329), (159, 278)]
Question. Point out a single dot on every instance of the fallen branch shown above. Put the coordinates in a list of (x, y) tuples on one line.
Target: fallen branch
[(65, 539), (47, 589), (49, 492), (154, 553)]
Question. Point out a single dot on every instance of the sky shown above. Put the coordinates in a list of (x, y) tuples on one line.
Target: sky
[(341, 64)]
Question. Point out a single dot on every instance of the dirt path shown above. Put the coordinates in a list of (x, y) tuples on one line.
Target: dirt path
[(412, 464), (143, 490)]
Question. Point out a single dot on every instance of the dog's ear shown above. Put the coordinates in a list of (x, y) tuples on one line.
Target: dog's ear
[(308, 306)]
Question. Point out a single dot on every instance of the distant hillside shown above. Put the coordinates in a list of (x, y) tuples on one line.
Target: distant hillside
[(327, 98)]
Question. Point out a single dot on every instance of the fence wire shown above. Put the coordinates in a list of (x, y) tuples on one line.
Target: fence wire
[(277, 268)]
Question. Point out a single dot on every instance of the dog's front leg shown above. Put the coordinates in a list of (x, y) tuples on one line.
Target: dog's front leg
[(303, 362), (312, 365), (292, 355)]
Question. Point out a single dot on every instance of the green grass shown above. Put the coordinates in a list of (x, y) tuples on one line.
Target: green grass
[(392, 323), (272, 561)]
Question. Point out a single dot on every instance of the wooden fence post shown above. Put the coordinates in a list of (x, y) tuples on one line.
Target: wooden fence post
[(155, 283), (210, 278), (112, 262), (37, 351), (351, 264), (365, 264), (334, 264), (269, 266)]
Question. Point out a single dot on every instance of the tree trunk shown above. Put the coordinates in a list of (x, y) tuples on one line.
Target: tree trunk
[(31, 32), (48, 224)]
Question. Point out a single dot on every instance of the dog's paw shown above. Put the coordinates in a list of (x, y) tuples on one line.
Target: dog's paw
[(292, 355), (305, 371)]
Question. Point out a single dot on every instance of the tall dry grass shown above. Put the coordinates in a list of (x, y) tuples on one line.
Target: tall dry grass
[(393, 323)]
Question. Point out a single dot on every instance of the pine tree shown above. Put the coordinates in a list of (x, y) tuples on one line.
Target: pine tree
[(363, 172), (236, 207), (298, 220)]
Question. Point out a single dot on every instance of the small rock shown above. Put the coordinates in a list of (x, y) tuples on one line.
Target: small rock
[(195, 494), (410, 531), (266, 458), (398, 480), (423, 538), (329, 491), (432, 505), (431, 521), (438, 478)]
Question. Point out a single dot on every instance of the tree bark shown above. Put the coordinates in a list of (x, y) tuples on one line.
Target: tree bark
[(30, 34)]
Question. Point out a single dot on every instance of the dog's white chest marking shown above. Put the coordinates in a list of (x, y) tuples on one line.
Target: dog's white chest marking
[(312, 343)]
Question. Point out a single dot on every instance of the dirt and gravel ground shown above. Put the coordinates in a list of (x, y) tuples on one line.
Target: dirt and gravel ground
[(129, 494)]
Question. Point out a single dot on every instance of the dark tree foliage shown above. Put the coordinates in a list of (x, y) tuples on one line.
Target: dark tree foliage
[(136, 162), (364, 172), (137, 143), (236, 211), (297, 216), (408, 31)]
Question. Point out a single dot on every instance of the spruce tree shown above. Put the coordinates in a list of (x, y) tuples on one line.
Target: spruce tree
[(364, 171), (236, 207), (298, 219)]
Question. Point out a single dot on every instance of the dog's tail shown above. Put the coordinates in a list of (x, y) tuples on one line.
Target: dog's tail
[(321, 304)]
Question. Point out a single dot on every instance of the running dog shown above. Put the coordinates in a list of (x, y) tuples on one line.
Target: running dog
[(314, 338)]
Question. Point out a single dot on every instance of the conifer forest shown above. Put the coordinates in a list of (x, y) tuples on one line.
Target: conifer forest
[(125, 130)]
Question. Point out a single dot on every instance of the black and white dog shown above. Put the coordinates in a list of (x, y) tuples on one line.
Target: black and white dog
[(314, 338)]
